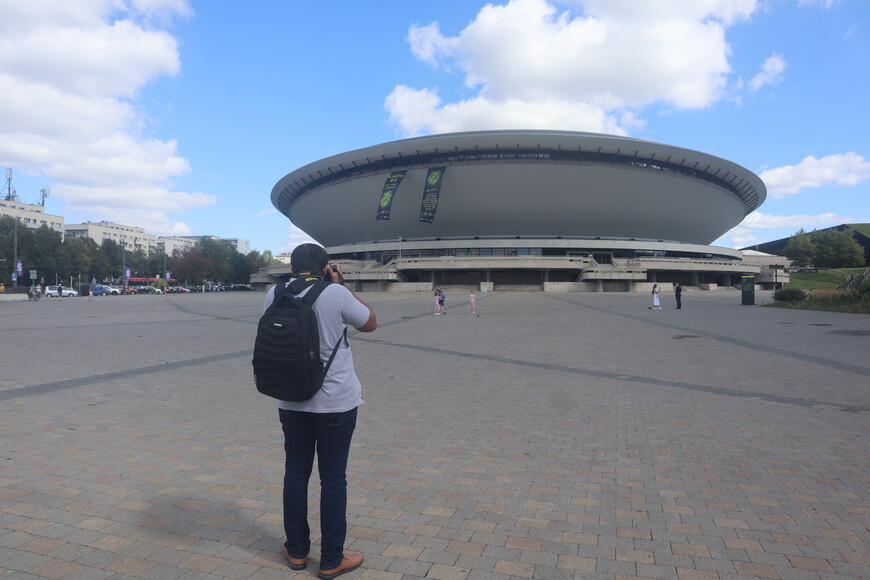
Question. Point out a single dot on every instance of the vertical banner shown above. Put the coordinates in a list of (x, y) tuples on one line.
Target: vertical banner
[(431, 193), (390, 187)]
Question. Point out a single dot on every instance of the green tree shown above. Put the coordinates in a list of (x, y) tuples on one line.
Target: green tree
[(43, 252), (191, 265), (222, 255), (851, 252), (255, 261), (155, 264), (241, 270), (800, 249), (79, 256), (269, 259), (111, 251), (837, 249), (7, 232), (137, 261)]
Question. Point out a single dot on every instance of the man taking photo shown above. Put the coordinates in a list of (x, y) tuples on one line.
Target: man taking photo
[(323, 424)]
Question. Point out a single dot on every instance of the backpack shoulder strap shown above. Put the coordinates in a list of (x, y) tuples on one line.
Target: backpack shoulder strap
[(317, 287), (280, 290), (292, 289)]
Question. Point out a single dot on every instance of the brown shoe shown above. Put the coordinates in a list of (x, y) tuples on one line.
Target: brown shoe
[(296, 563), (349, 561)]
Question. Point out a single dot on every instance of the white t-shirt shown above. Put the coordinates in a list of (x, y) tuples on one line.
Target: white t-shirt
[(336, 308)]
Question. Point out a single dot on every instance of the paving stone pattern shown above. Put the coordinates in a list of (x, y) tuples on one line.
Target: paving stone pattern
[(555, 436)]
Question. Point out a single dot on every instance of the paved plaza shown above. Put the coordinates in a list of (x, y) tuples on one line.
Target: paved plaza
[(554, 436)]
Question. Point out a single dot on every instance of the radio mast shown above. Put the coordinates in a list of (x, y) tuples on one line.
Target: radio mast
[(10, 191)]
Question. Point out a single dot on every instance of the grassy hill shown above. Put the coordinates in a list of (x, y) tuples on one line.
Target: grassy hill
[(822, 278)]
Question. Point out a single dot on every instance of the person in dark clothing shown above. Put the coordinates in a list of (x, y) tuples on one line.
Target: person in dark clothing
[(678, 294)]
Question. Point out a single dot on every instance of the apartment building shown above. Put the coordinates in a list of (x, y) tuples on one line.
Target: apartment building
[(132, 238), (32, 216)]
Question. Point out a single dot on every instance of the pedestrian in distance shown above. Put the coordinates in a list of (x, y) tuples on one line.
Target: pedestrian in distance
[(655, 294), (472, 303), (437, 303), (678, 295), (324, 424)]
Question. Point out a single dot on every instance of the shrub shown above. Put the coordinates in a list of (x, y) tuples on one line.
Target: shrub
[(789, 295)]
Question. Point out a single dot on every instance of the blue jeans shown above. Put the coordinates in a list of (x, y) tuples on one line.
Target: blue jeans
[(328, 434)]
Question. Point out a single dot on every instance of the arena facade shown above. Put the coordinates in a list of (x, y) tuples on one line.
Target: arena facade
[(545, 210)]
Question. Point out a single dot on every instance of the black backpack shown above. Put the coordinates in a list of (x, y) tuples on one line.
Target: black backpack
[(286, 361)]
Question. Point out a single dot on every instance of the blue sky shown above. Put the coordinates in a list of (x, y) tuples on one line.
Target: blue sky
[(180, 115)]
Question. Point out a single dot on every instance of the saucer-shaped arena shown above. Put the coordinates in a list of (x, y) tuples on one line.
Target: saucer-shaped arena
[(526, 193)]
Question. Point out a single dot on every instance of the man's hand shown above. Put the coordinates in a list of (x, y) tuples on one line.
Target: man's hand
[(332, 272)]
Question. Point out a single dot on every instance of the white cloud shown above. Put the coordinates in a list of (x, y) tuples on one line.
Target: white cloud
[(71, 73), (426, 42), (771, 72), (757, 220), (844, 169), (419, 112), (738, 237), (534, 66), (746, 233), (292, 238), (265, 213), (825, 3), (152, 220)]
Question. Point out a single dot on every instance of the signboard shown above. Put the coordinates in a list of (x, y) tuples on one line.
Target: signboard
[(431, 192), (19, 267), (127, 273), (390, 187), (168, 275), (33, 274)]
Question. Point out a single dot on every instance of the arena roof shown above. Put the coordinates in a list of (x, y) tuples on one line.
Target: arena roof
[(520, 183)]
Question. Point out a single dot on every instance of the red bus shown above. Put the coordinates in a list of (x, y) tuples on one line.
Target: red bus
[(147, 281)]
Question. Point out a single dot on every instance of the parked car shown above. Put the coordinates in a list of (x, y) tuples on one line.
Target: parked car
[(128, 290), (52, 291), (147, 290), (177, 290), (103, 290)]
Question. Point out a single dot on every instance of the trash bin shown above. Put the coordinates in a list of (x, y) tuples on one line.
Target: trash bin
[(747, 284)]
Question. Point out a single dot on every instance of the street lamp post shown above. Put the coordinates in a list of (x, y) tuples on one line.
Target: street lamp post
[(10, 196), (15, 252), (400, 247)]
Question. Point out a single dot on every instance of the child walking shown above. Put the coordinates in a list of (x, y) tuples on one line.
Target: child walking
[(472, 303)]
